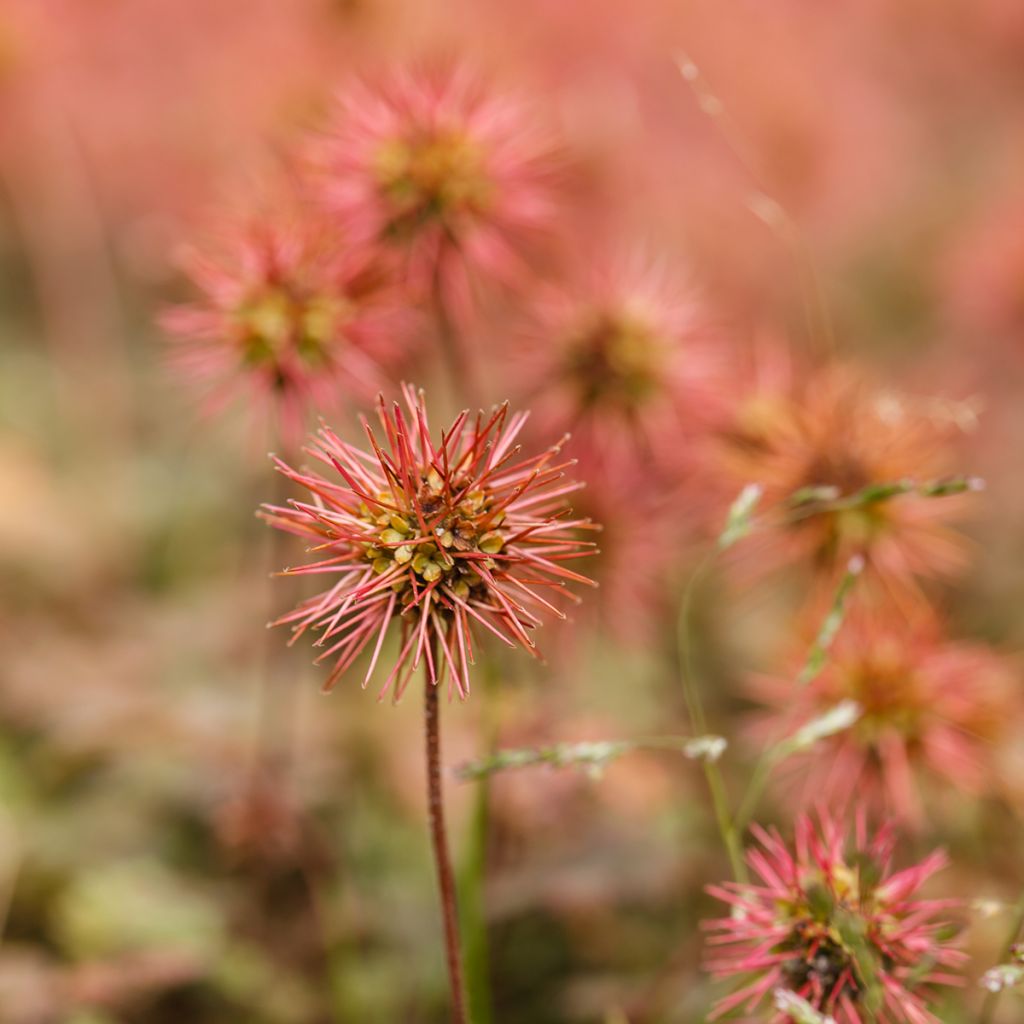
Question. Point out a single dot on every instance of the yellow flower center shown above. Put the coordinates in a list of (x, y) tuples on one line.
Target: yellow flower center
[(468, 526), (437, 176), (615, 358), (889, 692), (278, 323)]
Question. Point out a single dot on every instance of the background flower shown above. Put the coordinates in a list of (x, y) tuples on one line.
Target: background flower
[(835, 924), (624, 356), (442, 169), (934, 712), (291, 317), (818, 449)]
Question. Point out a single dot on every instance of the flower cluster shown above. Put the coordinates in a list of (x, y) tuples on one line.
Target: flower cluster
[(420, 183), (418, 187)]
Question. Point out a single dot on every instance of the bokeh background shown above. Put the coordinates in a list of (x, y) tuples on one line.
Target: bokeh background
[(148, 873)]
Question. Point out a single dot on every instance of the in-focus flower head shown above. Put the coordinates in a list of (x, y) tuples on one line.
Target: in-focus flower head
[(817, 445), (438, 537), (835, 924), (288, 316), (625, 357), (437, 166), (931, 709)]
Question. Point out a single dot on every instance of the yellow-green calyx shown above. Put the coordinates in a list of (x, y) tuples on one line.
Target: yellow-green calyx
[(617, 358), (435, 176), (457, 528), (279, 323)]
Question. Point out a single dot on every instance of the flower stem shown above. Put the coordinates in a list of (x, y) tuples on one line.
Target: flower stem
[(698, 720), (756, 786), (472, 913), (474, 867), (439, 839)]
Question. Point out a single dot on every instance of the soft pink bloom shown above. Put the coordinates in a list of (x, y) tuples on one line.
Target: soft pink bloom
[(814, 440), (624, 356), (836, 924), (438, 537), (932, 710), (437, 167), (289, 318)]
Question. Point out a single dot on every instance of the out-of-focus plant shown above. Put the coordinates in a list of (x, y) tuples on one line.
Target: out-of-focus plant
[(835, 925)]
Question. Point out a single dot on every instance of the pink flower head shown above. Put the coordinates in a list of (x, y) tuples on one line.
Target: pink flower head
[(835, 924), (288, 317), (434, 165), (627, 359), (819, 445), (931, 709), (434, 536)]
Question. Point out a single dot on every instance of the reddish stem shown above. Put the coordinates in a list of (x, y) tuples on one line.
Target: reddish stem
[(438, 836)]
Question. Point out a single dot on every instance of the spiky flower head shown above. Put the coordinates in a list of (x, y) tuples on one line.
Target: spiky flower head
[(625, 355), (826, 450), (932, 710), (433, 164), (428, 539), (287, 317), (835, 924)]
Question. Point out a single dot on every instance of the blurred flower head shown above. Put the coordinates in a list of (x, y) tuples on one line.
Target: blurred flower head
[(835, 924), (819, 446), (436, 166), (929, 708), (434, 536), (625, 357), (288, 316)]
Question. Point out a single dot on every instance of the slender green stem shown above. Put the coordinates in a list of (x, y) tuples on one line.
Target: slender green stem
[(698, 719), (720, 799), (473, 871), (988, 1007), (472, 915), (758, 780)]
